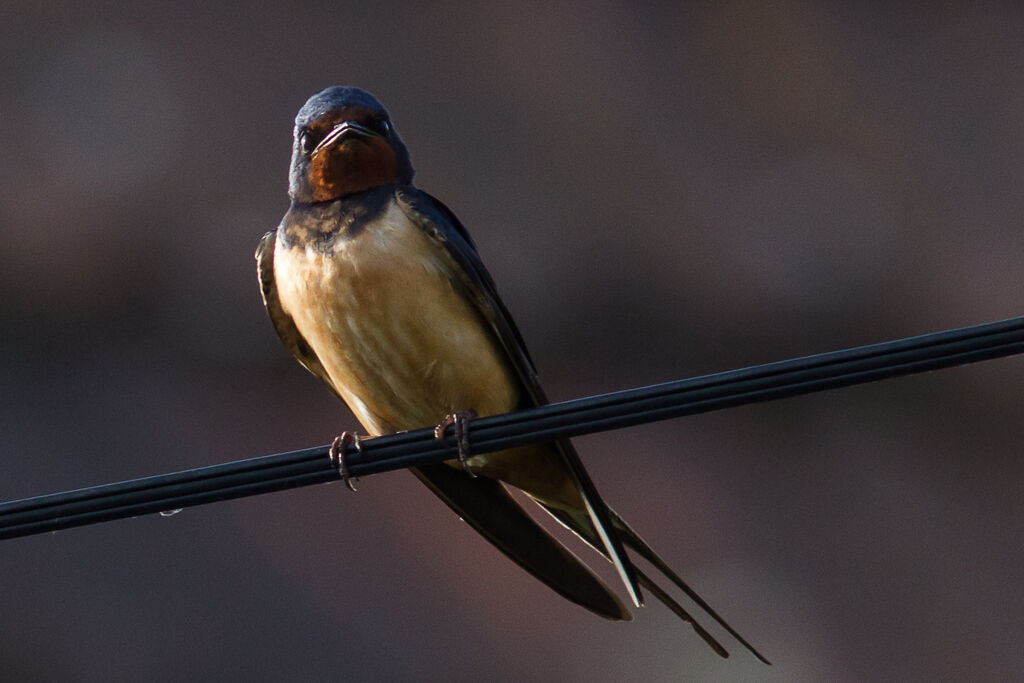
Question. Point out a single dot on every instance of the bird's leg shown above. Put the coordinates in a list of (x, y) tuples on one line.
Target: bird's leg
[(459, 421), (337, 455)]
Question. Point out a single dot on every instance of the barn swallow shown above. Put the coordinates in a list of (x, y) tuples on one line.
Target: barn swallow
[(377, 289)]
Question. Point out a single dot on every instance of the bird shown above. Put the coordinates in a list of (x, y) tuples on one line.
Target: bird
[(378, 289)]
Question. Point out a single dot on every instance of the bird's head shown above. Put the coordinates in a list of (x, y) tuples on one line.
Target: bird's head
[(344, 143)]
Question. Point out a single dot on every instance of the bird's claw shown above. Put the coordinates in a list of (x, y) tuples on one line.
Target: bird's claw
[(459, 421), (337, 455)]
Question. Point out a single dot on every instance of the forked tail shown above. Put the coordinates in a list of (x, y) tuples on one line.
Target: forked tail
[(638, 545), (583, 527)]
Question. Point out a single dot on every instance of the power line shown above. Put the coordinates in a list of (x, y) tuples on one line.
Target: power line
[(557, 420)]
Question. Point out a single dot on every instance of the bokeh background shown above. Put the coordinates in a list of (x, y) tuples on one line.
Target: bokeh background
[(660, 192)]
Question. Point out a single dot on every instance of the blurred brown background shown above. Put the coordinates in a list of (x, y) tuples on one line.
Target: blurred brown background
[(659, 193)]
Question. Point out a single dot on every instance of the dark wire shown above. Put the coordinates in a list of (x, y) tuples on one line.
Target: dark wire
[(557, 420)]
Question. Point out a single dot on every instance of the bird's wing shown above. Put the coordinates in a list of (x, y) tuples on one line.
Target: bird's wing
[(441, 224), (283, 323), (488, 508), (598, 525)]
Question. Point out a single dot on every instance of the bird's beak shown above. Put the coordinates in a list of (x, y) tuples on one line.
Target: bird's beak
[(342, 130)]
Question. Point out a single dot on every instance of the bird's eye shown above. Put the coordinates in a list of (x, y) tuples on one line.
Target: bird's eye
[(381, 126), (307, 141)]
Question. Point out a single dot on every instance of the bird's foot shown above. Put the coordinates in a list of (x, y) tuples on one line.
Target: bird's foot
[(337, 455), (459, 421)]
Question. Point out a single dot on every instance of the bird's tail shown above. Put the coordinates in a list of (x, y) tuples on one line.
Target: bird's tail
[(640, 547), (582, 526)]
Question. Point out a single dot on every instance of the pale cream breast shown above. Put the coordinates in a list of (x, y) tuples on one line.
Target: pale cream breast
[(399, 342)]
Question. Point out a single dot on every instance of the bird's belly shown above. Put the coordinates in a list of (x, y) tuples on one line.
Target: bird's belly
[(400, 343)]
